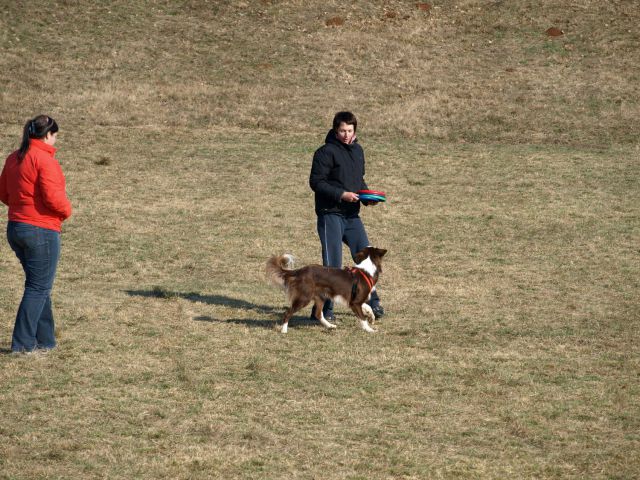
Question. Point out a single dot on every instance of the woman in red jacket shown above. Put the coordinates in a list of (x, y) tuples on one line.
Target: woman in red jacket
[(33, 186)]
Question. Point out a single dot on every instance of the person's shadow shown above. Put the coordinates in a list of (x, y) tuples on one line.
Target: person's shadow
[(273, 313)]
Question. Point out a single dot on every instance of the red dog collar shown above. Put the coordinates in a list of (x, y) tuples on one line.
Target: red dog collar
[(367, 278)]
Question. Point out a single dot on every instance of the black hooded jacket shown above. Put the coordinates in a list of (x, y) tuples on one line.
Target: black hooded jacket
[(337, 168)]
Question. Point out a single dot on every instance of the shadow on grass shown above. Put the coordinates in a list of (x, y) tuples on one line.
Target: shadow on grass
[(269, 324), (225, 301), (220, 300)]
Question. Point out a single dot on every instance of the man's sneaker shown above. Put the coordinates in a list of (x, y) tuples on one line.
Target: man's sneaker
[(378, 311)]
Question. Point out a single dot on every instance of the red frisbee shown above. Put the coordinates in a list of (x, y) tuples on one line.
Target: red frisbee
[(372, 192)]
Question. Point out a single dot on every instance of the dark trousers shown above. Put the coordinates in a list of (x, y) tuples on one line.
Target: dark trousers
[(38, 250), (334, 230)]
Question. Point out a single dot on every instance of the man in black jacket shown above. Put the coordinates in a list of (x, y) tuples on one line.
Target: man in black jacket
[(337, 173)]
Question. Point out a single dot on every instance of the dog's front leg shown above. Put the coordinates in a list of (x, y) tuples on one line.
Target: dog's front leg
[(364, 312), (326, 322), (320, 315)]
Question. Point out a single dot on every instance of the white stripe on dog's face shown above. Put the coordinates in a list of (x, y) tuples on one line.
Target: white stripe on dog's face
[(368, 266)]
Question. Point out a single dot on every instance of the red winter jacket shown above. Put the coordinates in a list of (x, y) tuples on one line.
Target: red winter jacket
[(34, 188)]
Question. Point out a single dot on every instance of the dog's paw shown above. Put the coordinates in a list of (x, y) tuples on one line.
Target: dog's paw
[(326, 322), (368, 312), (366, 327), (285, 327)]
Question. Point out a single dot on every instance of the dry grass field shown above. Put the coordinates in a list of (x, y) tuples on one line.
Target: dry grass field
[(511, 162)]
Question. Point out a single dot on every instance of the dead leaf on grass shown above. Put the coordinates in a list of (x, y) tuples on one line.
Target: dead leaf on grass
[(554, 32), (334, 22), (425, 7)]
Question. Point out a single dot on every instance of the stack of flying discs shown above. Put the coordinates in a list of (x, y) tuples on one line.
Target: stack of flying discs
[(371, 196)]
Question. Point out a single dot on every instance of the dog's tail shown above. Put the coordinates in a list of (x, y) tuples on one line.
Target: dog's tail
[(276, 268)]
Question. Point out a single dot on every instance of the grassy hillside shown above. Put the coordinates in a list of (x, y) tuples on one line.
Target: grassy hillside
[(510, 159), (472, 71)]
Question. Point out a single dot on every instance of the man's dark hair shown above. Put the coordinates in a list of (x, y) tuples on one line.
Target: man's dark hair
[(345, 117)]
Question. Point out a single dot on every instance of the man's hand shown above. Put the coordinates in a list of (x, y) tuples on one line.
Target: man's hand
[(349, 197)]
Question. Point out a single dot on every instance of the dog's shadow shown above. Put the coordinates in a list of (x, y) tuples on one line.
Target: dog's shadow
[(274, 313)]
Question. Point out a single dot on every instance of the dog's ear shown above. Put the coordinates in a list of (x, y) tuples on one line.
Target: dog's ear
[(362, 255), (381, 252)]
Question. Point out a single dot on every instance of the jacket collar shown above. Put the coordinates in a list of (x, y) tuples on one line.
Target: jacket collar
[(39, 144)]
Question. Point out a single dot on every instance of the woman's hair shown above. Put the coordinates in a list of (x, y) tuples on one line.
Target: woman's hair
[(37, 127), (345, 117)]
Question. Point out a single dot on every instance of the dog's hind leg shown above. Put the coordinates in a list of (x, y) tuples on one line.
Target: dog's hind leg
[(296, 306), (319, 303), (364, 312), (285, 320), (287, 316)]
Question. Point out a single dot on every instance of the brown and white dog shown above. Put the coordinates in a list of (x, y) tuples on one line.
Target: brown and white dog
[(350, 286)]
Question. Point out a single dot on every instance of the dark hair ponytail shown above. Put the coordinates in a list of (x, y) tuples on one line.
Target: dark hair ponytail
[(36, 128)]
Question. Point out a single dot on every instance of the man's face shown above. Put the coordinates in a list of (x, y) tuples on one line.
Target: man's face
[(345, 133)]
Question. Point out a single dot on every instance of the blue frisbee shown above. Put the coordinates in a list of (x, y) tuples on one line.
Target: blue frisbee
[(371, 196)]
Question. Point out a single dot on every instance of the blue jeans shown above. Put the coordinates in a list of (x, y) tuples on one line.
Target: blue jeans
[(334, 230), (38, 250)]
